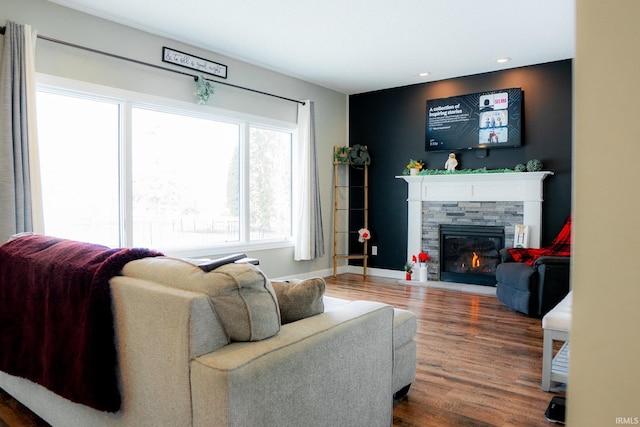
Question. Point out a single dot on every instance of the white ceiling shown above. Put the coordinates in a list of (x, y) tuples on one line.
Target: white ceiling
[(356, 46)]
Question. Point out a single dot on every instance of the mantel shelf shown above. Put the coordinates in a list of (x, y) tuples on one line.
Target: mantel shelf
[(478, 177), (509, 186)]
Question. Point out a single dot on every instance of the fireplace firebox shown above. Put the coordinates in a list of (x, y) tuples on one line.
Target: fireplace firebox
[(470, 253)]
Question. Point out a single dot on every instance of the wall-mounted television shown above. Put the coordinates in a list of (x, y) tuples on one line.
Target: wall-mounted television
[(484, 120)]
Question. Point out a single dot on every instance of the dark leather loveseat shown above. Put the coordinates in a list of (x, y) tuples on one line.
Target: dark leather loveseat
[(532, 289)]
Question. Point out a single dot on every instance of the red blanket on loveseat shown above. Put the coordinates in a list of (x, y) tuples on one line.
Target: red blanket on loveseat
[(561, 246), (56, 321)]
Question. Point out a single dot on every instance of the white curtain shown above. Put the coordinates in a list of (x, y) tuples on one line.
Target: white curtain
[(20, 195), (308, 231)]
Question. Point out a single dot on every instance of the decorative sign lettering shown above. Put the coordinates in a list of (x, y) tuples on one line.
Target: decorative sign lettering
[(194, 62)]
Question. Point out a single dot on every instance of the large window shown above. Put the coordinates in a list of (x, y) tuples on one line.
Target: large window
[(269, 183), (78, 140), (185, 186), (125, 173)]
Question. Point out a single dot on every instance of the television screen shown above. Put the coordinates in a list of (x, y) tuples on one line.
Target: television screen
[(479, 120)]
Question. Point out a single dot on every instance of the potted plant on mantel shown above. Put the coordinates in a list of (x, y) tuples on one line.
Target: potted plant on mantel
[(415, 166)]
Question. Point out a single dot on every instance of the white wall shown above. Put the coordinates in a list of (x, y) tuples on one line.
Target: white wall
[(65, 24), (604, 379)]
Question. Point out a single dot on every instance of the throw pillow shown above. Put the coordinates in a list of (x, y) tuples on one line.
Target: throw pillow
[(245, 302), (299, 299), (240, 294)]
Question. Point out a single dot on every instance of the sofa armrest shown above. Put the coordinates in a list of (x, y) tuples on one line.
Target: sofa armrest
[(331, 369), (517, 272), (555, 282), (159, 330), (505, 255), (552, 260)]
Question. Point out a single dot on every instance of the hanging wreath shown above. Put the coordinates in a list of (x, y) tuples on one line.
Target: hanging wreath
[(341, 155), (359, 155), (204, 89)]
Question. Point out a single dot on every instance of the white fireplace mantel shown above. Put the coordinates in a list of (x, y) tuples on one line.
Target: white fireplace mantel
[(523, 187)]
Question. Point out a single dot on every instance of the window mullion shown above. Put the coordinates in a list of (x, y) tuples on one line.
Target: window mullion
[(125, 185), (245, 223)]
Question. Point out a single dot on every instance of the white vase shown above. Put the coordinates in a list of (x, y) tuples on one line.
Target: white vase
[(413, 171), (423, 274)]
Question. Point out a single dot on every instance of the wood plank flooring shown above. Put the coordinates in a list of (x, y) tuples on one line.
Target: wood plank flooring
[(479, 363), (14, 414)]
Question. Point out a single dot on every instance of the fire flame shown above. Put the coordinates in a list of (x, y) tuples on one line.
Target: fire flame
[(475, 261)]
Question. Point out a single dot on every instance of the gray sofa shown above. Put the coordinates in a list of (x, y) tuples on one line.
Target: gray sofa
[(179, 366)]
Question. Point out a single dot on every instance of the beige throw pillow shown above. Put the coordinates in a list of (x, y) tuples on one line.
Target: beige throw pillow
[(299, 299), (241, 295)]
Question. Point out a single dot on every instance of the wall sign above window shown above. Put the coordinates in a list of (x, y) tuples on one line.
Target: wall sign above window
[(194, 62)]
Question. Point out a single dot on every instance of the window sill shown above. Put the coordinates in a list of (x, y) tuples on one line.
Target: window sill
[(212, 252)]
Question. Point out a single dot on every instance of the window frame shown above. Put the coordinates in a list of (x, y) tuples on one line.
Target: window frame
[(128, 100)]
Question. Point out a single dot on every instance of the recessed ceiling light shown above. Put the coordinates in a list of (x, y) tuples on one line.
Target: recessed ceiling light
[(503, 60), (425, 74)]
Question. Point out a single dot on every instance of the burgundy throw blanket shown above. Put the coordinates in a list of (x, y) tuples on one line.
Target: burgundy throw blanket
[(56, 322), (561, 246)]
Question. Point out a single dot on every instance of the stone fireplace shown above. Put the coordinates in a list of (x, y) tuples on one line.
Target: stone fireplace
[(499, 200)]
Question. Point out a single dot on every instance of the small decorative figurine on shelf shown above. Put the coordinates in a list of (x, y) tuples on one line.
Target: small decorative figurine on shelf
[(451, 163)]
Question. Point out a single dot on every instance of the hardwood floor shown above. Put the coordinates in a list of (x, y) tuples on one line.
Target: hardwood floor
[(14, 414), (479, 363)]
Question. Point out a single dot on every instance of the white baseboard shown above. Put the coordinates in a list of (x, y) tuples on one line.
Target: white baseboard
[(378, 272), (395, 274)]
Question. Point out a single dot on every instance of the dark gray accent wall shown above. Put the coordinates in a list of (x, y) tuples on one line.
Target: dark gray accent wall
[(392, 122)]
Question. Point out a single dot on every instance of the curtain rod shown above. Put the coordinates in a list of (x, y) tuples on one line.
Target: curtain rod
[(136, 61)]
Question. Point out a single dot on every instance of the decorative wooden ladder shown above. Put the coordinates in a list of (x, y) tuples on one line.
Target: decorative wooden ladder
[(342, 196)]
